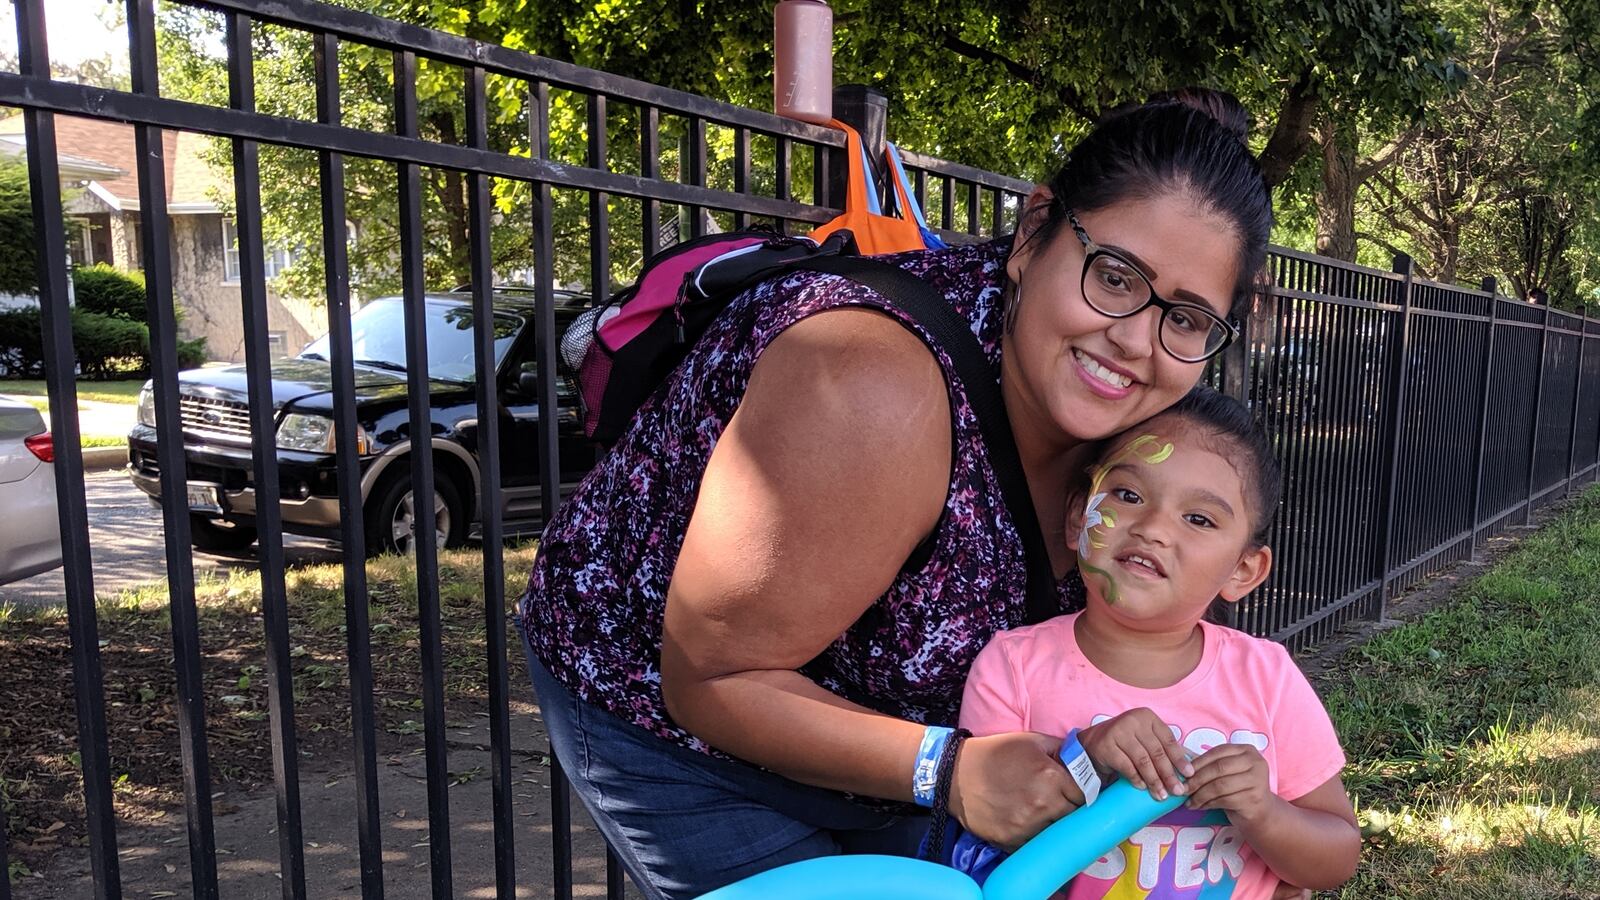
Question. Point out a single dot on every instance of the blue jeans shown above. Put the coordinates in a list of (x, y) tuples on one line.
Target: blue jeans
[(684, 823)]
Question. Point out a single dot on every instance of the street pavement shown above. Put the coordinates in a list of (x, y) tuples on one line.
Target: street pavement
[(128, 547)]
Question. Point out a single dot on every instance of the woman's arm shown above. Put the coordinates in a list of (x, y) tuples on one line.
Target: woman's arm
[(831, 472)]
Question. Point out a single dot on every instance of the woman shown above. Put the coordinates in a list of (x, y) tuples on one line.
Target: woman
[(742, 624)]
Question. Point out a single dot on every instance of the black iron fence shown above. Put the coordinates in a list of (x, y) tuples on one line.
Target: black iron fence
[(1415, 419)]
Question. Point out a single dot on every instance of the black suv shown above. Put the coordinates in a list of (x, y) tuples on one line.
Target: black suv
[(216, 431)]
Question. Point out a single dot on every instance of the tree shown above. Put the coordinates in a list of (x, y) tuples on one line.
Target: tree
[(1000, 85), (1491, 181), (17, 252)]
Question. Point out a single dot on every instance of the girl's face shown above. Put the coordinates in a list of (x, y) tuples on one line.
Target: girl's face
[(1085, 375), (1167, 531)]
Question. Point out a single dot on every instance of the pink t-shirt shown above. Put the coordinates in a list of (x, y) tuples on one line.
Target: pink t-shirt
[(1245, 690)]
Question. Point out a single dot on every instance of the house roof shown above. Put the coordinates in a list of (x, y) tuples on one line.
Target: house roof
[(110, 147)]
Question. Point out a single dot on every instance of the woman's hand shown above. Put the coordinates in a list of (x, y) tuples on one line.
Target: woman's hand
[(1140, 747), (1232, 777), (1007, 787)]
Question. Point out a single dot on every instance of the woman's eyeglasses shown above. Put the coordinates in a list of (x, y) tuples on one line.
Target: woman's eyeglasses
[(1115, 287)]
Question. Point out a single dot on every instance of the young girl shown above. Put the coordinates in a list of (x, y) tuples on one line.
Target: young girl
[(1175, 518)]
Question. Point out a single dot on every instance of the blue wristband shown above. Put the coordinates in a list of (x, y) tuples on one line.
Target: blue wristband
[(1080, 767), (925, 779)]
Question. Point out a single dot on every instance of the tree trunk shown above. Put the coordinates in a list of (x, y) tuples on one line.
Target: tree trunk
[(1336, 195), (1449, 252)]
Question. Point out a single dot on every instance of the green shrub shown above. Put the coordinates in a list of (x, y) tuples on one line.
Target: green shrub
[(110, 291), (21, 346), (107, 346)]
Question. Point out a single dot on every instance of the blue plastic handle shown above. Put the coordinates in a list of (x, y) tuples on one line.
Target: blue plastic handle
[(1070, 845)]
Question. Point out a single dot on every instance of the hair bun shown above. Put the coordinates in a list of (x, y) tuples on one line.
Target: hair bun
[(1224, 108)]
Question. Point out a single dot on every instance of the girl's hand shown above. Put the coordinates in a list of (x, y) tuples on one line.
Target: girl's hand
[(1231, 777), (1140, 747), (1007, 787)]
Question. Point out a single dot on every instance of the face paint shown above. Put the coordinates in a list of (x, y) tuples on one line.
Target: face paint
[(1146, 447)]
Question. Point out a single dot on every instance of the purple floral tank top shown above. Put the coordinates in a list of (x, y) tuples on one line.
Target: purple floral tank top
[(598, 589)]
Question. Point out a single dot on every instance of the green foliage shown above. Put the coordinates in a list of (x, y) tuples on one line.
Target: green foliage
[(16, 228), (998, 85), (107, 347), (104, 289)]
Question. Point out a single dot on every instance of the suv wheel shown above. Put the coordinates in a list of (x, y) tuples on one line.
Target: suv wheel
[(394, 512), (219, 536)]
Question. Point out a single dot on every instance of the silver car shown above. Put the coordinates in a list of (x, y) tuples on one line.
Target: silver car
[(30, 534)]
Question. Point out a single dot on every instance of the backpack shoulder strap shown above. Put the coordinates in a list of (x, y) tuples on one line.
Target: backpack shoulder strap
[(953, 332)]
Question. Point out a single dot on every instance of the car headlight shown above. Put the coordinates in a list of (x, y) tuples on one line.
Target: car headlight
[(147, 406), (313, 434)]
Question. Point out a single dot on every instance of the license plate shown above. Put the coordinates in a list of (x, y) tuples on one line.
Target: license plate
[(205, 498)]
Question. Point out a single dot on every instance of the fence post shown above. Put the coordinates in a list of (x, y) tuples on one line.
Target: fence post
[(867, 111), (1398, 357), (1577, 404), (1481, 453), (1538, 404)]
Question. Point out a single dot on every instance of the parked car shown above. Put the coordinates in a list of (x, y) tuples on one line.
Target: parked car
[(30, 533), (216, 431)]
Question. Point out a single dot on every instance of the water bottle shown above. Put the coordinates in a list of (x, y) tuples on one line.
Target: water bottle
[(802, 71)]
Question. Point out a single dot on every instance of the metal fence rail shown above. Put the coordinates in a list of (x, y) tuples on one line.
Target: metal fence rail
[(1414, 419)]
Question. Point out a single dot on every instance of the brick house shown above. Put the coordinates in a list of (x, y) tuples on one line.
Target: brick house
[(97, 168)]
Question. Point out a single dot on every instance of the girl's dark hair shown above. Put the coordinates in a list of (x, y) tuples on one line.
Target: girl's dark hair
[(1190, 140), (1246, 444)]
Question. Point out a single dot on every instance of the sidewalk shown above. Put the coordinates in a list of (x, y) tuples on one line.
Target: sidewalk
[(155, 857)]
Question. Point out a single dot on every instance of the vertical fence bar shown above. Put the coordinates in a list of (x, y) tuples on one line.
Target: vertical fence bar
[(1538, 404), (1398, 359), (424, 497), (650, 167), (696, 173), (263, 445), (150, 165), (741, 173), (544, 323), (997, 216), (821, 159), (489, 498), (972, 208), (781, 175), (1577, 404), (599, 208), (947, 202), (1482, 451), (347, 462), (72, 508)]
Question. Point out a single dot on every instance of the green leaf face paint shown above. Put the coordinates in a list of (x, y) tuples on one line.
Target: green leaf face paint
[(1096, 520)]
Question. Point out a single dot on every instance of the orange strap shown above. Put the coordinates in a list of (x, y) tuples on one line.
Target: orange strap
[(874, 233)]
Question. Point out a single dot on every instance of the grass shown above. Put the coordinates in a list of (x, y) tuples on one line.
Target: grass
[(35, 392), (1474, 732)]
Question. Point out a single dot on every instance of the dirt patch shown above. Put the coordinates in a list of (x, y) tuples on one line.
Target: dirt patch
[(39, 764)]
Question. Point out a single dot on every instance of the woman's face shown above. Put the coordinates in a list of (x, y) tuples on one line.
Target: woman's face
[(1087, 375)]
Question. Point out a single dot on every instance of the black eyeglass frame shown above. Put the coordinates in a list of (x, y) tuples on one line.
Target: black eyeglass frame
[(1092, 251)]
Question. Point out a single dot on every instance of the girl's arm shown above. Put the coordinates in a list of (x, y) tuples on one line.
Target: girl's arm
[(1312, 842), (834, 468)]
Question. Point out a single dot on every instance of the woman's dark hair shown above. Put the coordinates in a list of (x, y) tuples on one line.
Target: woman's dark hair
[(1229, 422), (1190, 140)]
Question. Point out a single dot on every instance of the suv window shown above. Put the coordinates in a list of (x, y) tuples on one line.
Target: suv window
[(378, 337)]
